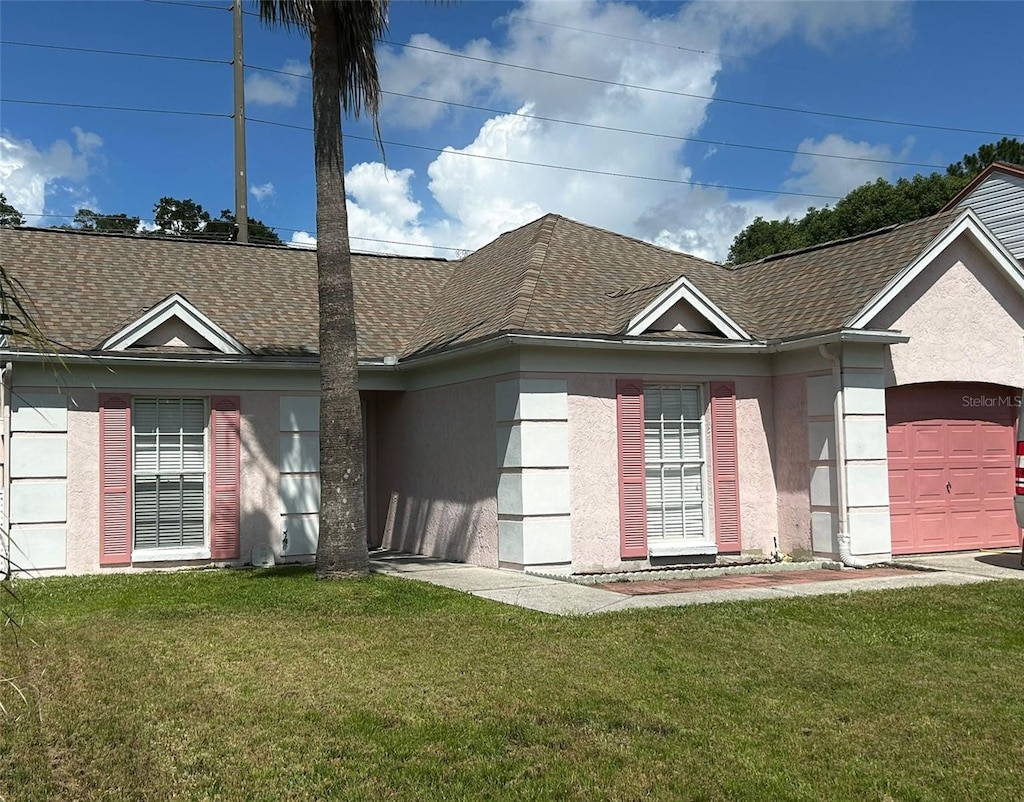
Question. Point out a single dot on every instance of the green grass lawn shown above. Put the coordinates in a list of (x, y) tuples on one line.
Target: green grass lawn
[(268, 685)]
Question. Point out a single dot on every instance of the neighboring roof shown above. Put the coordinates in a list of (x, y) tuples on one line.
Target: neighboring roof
[(818, 289), (85, 286), (995, 167), (553, 276)]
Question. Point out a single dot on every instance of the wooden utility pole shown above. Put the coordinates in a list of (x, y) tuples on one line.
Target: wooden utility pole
[(241, 194)]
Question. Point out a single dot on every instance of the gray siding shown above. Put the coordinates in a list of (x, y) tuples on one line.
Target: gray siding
[(999, 202)]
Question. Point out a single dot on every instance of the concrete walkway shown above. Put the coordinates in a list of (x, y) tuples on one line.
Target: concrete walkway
[(566, 598)]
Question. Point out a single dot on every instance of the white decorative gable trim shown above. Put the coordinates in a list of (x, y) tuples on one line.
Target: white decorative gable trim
[(174, 306), (684, 290), (967, 223)]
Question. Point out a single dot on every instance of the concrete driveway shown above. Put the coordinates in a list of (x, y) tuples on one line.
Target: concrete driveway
[(1003, 564)]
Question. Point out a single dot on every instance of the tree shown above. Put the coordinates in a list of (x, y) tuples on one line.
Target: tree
[(259, 232), (179, 217), (1009, 151), (88, 220), (342, 34), (9, 216), (869, 207)]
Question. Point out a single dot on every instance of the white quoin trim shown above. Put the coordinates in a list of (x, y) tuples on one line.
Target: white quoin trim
[(684, 290), (967, 223), (174, 306)]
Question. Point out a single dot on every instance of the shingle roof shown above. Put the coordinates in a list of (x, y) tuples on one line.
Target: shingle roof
[(84, 286), (551, 276), (820, 288)]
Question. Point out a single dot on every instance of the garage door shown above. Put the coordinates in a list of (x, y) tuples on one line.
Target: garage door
[(951, 467)]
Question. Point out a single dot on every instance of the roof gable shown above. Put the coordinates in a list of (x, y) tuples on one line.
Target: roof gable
[(169, 323), (684, 291), (967, 224)]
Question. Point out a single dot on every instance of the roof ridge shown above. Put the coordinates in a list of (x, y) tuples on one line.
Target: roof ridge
[(841, 241), (168, 238), (523, 299)]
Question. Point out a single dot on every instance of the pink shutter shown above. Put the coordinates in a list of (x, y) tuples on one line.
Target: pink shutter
[(726, 466), (632, 487), (225, 420), (115, 480)]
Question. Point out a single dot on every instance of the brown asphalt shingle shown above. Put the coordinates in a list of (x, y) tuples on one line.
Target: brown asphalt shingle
[(83, 287), (551, 276)]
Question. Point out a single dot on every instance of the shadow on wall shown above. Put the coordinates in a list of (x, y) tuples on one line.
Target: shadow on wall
[(453, 522)]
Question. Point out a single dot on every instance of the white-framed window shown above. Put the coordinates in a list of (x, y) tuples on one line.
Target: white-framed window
[(675, 464), (169, 467)]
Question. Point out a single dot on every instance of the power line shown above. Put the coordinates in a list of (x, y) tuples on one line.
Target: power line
[(657, 179), (115, 52), (697, 50), (114, 108), (652, 134), (268, 225), (189, 5), (676, 93)]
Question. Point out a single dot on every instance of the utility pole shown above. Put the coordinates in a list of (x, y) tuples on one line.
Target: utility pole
[(241, 195)]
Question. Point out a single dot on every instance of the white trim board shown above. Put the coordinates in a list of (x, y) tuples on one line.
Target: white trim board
[(174, 306), (684, 290), (967, 223)]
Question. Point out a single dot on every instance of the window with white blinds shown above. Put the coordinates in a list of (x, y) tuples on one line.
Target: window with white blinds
[(169, 467), (674, 462)]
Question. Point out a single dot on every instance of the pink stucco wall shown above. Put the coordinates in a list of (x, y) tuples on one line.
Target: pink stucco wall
[(593, 468), (792, 463), (437, 471), (965, 322), (260, 505)]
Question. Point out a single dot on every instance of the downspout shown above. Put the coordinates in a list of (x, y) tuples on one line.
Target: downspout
[(5, 489), (845, 557)]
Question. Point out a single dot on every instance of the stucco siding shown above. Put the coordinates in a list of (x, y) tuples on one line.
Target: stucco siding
[(593, 468), (965, 321), (437, 471), (792, 466)]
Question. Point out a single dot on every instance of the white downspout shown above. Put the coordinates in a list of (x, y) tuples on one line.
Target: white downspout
[(839, 409), (5, 433)]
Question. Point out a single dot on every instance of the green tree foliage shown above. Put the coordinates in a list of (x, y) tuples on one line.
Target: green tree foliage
[(9, 216), (259, 232), (869, 207), (88, 220), (179, 217)]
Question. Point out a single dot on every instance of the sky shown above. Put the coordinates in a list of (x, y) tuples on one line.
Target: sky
[(676, 123)]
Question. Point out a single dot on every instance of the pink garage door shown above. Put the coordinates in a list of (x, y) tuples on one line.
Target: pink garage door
[(951, 467)]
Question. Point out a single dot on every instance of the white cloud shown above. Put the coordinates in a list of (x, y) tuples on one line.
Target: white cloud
[(481, 197), (262, 191), (28, 175), (275, 89), (302, 239)]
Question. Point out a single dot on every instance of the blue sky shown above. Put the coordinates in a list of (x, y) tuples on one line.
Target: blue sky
[(938, 65)]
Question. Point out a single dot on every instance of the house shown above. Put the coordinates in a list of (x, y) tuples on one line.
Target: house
[(563, 399), (997, 196)]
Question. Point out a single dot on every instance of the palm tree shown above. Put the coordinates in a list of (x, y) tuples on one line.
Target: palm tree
[(342, 35)]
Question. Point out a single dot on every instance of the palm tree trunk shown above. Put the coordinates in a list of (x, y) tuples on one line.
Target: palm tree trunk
[(342, 550)]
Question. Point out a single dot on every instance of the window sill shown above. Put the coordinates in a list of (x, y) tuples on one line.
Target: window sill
[(680, 548), (169, 555)]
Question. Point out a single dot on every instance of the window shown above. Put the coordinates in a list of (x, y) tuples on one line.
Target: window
[(674, 463), (169, 471)]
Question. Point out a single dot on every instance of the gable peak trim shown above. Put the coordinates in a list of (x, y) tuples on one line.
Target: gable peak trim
[(174, 306), (966, 223), (682, 289)]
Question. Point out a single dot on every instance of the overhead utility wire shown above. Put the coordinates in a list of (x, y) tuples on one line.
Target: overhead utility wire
[(626, 130), (656, 179), (675, 93), (115, 52), (268, 225), (114, 108), (697, 50), (190, 5)]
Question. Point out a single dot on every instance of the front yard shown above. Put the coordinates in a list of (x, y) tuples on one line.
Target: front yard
[(268, 685)]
